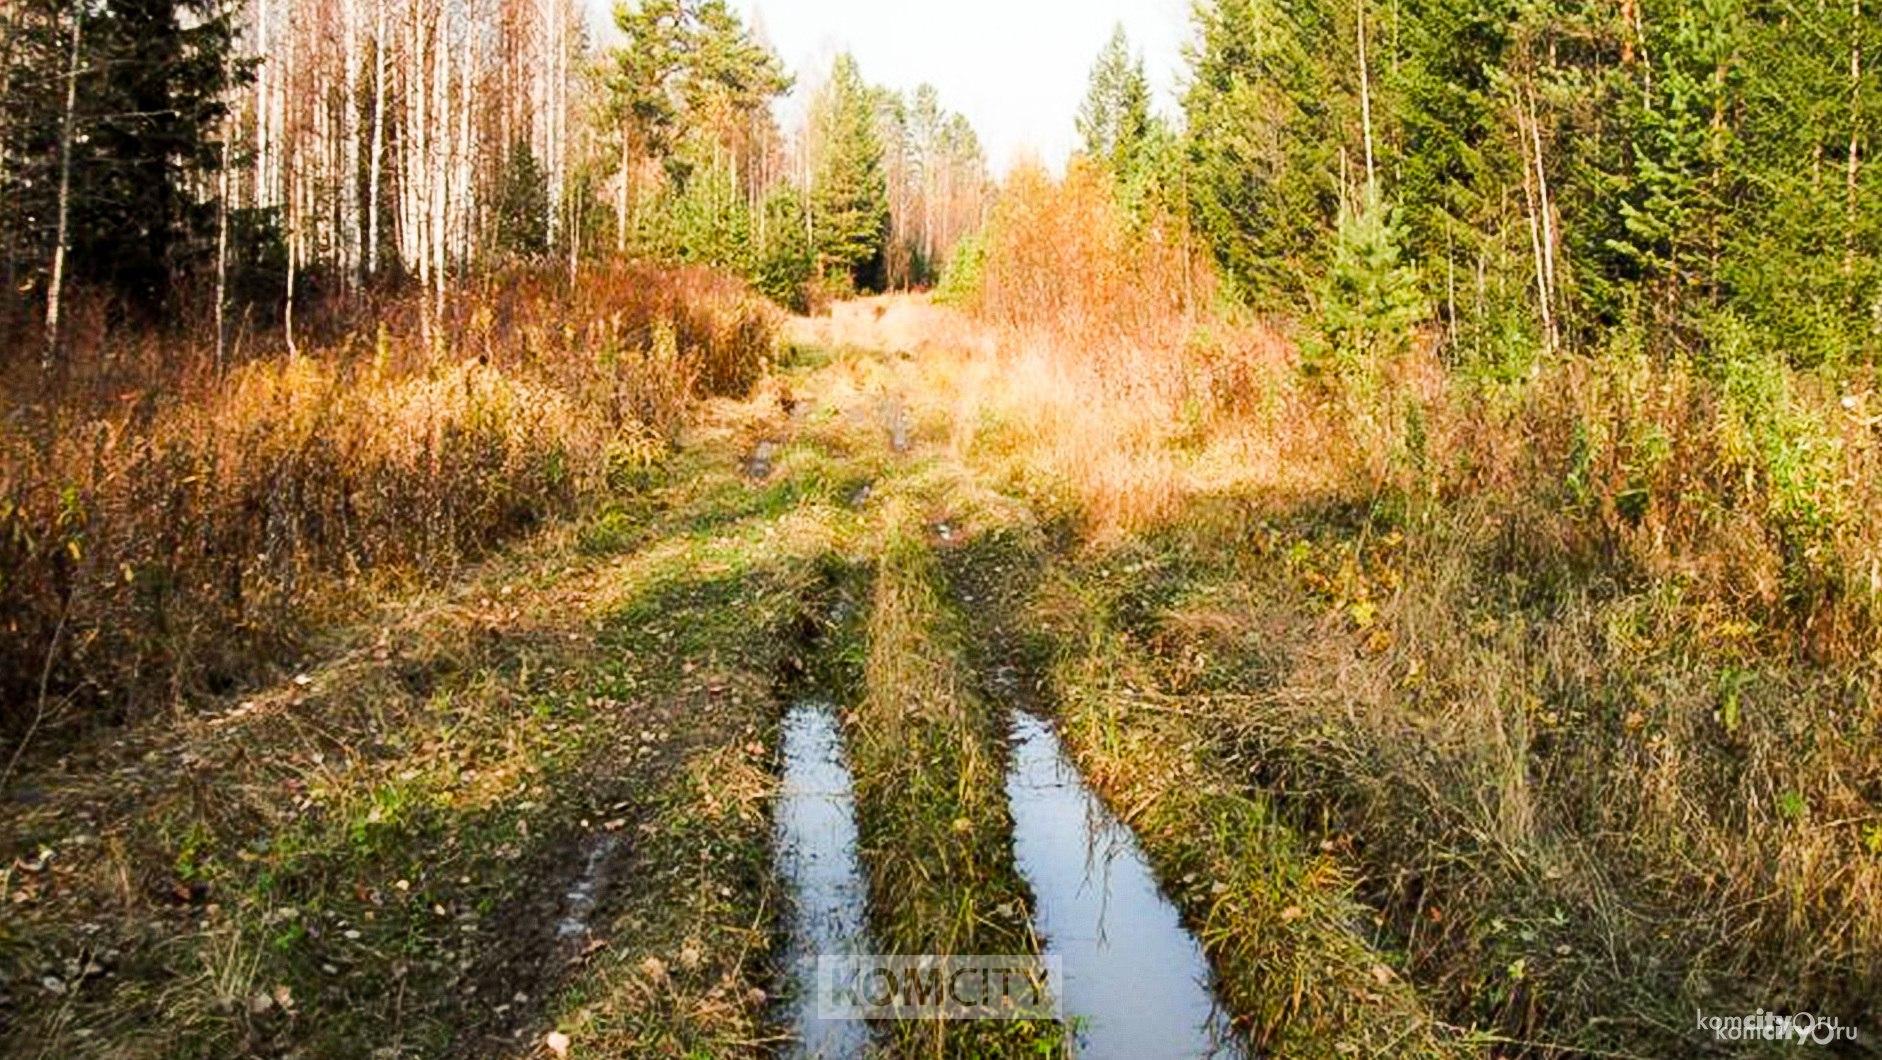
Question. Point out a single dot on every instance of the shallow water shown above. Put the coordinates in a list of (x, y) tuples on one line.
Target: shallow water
[(578, 904), (816, 842), (1136, 982), (763, 455)]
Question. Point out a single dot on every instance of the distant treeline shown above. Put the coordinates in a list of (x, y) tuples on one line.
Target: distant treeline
[(169, 154), (1694, 174)]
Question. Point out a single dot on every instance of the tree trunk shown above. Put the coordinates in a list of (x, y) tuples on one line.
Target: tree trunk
[(1536, 205), (11, 14), (55, 287), (1852, 176), (222, 246), (621, 198), (378, 136), (350, 227), (1365, 107)]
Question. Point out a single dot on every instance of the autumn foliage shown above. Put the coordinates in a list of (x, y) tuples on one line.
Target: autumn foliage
[(165, 526)]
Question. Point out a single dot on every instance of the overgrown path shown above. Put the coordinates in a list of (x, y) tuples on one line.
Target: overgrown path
[(534, 812)]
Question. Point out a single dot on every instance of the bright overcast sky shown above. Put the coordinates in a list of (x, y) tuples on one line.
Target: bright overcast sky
[(1016, 68)]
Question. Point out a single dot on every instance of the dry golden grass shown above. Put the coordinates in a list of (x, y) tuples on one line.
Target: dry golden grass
[(591, 707), (165, 526)]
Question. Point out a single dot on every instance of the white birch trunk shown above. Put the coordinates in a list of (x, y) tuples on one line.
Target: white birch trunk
[(55, 287)]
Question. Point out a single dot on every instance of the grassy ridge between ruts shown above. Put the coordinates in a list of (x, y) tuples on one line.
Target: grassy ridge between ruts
[(935, 827)]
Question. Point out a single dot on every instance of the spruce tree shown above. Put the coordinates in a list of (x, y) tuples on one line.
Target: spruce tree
[(786, 262), (1369, 301), (1268, 115), (849, 190), (1114, 121), (522, 206), (149, 101)]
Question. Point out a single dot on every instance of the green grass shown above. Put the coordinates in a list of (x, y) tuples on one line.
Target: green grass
[(384, 845), (929, 759)]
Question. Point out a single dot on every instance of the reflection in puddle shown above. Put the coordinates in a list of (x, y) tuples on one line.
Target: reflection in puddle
[(579, 903), (758, 464), (816, 839), (1136, 982)]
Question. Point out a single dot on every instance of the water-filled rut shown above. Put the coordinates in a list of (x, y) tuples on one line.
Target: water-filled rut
[(1136, 983), (816, 844)]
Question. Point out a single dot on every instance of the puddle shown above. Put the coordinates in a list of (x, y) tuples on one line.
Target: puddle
[(758, 464), (816, 843), (1136, 981), (895, 416), (578, 904)]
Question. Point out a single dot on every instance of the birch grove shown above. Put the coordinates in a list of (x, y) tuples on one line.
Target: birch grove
[(378, 128), (272, 154)]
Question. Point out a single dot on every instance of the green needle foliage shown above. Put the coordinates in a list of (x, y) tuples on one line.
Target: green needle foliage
[(1559, 168), (1369, 300), (849, 193), (1114, 120)]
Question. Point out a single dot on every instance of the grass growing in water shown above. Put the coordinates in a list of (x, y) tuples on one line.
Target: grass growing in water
[(932, 814)]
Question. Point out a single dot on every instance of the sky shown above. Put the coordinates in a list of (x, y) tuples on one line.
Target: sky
[(1016, 68)]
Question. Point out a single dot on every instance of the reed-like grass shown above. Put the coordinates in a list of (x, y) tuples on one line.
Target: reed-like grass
[(170, 525)]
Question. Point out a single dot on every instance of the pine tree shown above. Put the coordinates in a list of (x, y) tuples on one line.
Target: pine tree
[(643, 92), (849, 191), (1269, 115), (1114, 121), (729, 77)]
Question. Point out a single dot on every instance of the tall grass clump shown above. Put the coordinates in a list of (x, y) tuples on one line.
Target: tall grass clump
[(169, 526)]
